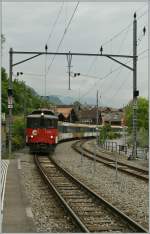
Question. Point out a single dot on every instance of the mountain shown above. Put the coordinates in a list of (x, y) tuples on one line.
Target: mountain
[(67, 100), (61, 100), (54, 99)]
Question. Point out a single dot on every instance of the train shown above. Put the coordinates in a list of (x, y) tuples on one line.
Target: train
[(41, 131), (44, 131)]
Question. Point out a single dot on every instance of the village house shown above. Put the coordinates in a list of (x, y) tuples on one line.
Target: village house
[(66, 113), (89, 116), (112, 116)]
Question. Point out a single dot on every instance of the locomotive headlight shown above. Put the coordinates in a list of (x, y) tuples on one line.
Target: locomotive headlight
[(31, 136), (51, 137)]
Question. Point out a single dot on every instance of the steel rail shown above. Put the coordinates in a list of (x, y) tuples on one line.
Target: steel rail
[(50, 184), (125, 219), (124, 164), (107, 161)]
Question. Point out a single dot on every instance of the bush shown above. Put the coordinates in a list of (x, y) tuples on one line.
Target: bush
[(142, 138), (113, 135), (18, 140)]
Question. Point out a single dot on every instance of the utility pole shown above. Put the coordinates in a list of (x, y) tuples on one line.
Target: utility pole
[(10, 102), (45, 70), (69, 58), (135, 91), (97, 115)]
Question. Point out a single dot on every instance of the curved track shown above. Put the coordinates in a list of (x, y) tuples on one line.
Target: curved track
[(90, 211), (103, 158)]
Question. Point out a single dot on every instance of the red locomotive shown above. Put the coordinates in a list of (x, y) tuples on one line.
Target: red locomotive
[(41, 131)]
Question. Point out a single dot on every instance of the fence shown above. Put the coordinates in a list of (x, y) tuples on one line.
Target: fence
[(142, 153)]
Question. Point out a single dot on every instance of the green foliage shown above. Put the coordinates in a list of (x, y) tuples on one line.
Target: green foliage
[(25, 100), (113, 135), (18, 140), (142, 114), (106, 132), (142, 121), (142, 137), (4, 87)]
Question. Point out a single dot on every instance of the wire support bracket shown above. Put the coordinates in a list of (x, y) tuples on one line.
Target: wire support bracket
[(69, 59)]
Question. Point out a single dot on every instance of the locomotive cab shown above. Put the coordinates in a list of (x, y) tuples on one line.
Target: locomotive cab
[(41, 132)]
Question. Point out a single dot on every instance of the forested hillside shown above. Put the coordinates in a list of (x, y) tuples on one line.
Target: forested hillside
[(25, 99)]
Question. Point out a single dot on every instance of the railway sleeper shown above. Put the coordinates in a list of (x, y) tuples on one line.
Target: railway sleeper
[(64, 188), (95, 228)]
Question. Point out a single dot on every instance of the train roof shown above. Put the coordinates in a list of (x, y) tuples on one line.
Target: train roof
[(45, 116), (43, 110), (86, 125), (76, 124)]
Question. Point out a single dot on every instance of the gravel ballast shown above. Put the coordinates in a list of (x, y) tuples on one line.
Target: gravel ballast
[(127, 193), (48, 216)]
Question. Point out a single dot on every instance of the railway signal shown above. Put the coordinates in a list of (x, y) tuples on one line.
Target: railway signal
[(76, 74)]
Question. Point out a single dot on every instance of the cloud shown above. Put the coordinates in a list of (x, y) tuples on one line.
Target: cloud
[(27, 26)]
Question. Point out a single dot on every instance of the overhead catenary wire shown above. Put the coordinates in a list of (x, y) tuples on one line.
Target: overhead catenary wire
[(142, 52), (108, 75), (120, 66), (103, 78), (117, 35), (55, 22), (62, 38), (122, 84), (124, 29), (119, 88)]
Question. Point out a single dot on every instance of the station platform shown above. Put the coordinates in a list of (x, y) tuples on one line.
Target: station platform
[(16, 213)]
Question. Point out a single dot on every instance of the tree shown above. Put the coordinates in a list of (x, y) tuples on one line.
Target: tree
[(18, 140), (77, 106), (104, 132), (25, 100), (142, 121), (4, 86), (142, 114)]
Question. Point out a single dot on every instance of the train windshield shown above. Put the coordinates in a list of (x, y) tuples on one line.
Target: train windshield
[(41, 123)]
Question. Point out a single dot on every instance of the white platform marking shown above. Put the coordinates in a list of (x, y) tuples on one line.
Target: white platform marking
[(29, 212), (19, 164), (4, 167)]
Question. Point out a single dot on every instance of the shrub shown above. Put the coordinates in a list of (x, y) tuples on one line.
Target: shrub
[(18, 140)]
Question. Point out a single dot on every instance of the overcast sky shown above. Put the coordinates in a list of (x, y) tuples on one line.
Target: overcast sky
[(28, 26)]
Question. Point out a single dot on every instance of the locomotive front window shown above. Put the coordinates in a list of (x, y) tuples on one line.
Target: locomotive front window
[(41, 123), (50, 123), (33, 123)]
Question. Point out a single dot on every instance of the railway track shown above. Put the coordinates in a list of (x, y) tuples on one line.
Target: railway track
[(90, 211), (110, 162)]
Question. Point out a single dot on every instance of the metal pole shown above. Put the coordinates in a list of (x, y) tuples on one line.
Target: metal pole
[(116, 167), (135, 92), (69, 58), (25, 108), (10, 104), (97, 115)]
